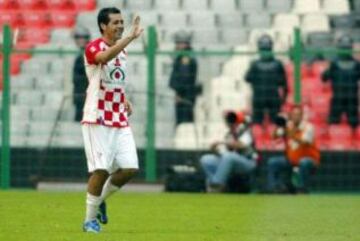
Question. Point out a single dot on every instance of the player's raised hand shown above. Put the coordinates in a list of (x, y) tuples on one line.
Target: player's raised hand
[(136, 29)]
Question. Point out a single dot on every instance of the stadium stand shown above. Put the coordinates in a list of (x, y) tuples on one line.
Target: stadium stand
[(47, 24)]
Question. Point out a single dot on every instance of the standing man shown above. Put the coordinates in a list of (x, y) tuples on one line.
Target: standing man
[(80, 82), (109, 144), (301, 154), (268, 80), (344, 75), (183, 79)]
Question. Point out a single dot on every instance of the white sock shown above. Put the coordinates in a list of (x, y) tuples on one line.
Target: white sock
[(92, 205), (108, 189)]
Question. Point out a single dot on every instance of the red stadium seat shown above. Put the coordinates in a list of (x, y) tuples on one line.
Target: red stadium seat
[(357, 138), (63, 19), (258, 130), (61, 5), (357, 132), (340, 131), (33, 4), (305, 70), (9, 4), (13, 18), (340, 145), (318, 68), (311, 87), (37, 19), (260, 136), (276, 145), (85, 5), (263, 138), (15, 64), (270, 128), (321, 135), (34, 35), (20, 46), (340, 137), (262, 143), (320, 107)]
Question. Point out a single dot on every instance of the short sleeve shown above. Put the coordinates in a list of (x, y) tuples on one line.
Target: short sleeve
[(308, 134), (246, 138), (90, 52)]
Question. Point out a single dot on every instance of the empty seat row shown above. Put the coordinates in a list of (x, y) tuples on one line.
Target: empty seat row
[(52, 99), (203, 37), (42, 134), (298, 6), (325, 6), (44, 65), (308, 23), (74, 5), (47, 81), (38, 19), (201, 5)]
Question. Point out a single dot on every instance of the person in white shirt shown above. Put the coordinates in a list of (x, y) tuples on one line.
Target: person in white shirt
[(236, 153)]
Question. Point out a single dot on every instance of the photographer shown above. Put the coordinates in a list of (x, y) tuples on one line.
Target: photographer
[(235, 154), (301, 154)]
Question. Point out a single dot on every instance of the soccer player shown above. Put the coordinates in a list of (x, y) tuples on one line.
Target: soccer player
[(109, 145)]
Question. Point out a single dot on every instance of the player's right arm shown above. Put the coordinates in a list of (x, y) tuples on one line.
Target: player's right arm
[(105, 56)]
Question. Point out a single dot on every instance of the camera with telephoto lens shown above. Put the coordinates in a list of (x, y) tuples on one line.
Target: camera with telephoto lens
[(280, 121)]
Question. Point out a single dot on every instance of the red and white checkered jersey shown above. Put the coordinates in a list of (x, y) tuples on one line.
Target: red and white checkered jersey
[(105, 96)]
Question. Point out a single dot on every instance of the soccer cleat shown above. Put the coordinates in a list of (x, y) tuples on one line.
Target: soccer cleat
[(92, 226), (102, 216)]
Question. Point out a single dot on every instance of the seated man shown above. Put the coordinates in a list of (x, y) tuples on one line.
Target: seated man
[(236, 153), (301, 154)]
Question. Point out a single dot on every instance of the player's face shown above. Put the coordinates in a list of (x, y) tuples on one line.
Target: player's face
[(115, 27)]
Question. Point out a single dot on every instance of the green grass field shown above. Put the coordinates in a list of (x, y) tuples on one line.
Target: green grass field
[(43, 216)]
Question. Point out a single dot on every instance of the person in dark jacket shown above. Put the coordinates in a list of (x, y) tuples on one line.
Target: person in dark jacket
[(268, 80), (183, 79), (80, 82), (344, 75)]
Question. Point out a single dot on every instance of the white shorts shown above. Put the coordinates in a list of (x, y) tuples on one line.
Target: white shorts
[(109, 148)]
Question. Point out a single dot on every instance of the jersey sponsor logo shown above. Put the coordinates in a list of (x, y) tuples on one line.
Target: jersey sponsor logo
[(117, 74)]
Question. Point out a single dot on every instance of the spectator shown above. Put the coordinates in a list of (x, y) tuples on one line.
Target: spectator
[(80, 82), (268, 80), (344, 75), (235, 154), (301, 154), (183, 79)]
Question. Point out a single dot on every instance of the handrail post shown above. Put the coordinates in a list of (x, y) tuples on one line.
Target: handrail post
[(151, 108), (297, 65), (5, 147)]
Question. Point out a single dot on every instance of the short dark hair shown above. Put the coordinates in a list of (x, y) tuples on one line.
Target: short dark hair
[(103, 16), (230, 118)]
